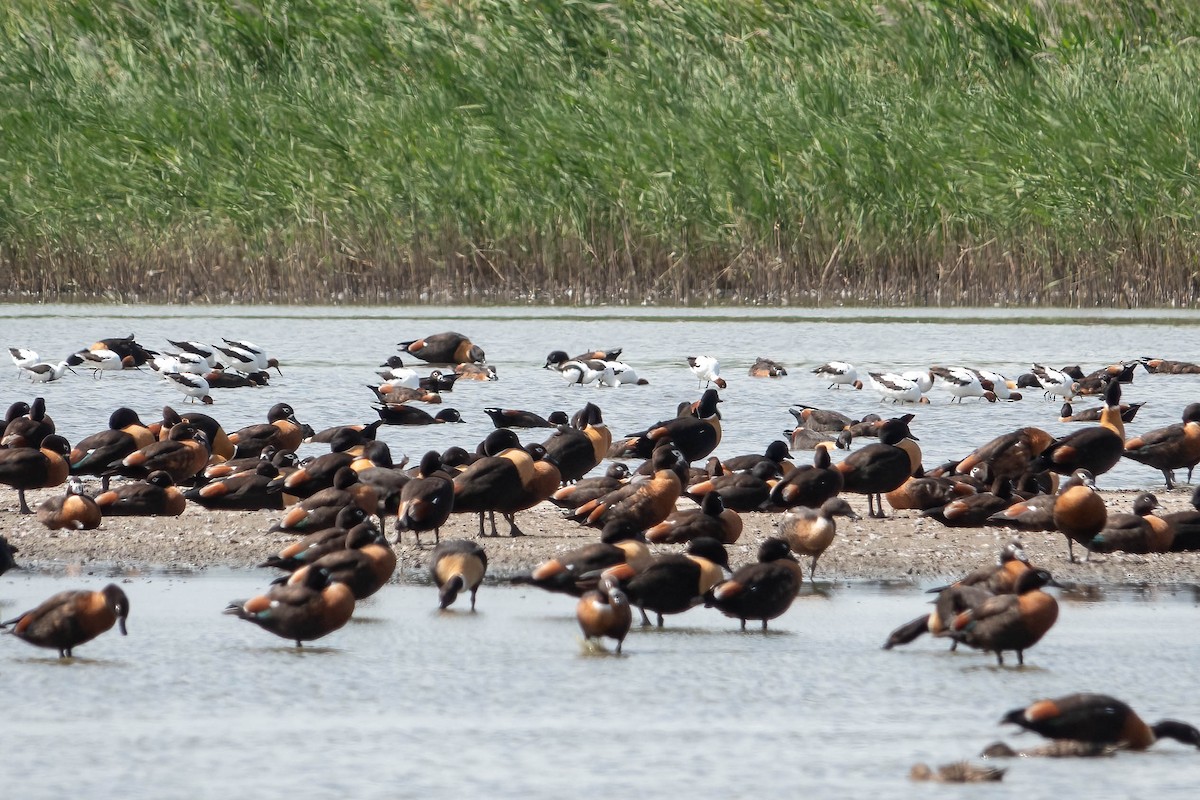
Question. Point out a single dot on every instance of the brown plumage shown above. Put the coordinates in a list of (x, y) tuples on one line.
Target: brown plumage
[(1170, 448), (578, 448), (68, 619), (809, 531), (605, 612), (882, 467), (1063, 748), (672, 584), (808, 484), (28, 429), (1096, 448), (1164, 366), (299, 612), (282, 430), (694, 436), (1034, 514), (1139, 532), (633, 508), (1097, 719), (100, 452), (575, 571), (318, 543), (426, 500), (1079, 511), (761, 591), (973, 511), (580, 492), (74, 510), (444, 348), (711, 519), (243, 491), (183, 455), (957, 772), (365, 564), (821, 419), (35, 468), (766, 368), (923, 492), (218, 439), (740, 491), (317, 473), (346, 490), (490, 482), (455, 565), (1009, 621), (970, 590), (1008, 455), (155, 496)]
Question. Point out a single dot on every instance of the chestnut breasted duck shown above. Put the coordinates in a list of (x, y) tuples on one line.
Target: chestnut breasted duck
[(69, 619)]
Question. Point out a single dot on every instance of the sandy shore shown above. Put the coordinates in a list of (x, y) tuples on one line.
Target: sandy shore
[(902, 548)]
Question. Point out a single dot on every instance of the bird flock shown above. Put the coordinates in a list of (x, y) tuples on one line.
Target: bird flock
[(662, 487)]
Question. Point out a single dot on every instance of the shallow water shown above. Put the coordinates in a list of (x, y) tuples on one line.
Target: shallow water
[(329, 354), (507, 703)]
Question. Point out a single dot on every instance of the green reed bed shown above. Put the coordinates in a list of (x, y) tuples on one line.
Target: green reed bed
[(897, 152)]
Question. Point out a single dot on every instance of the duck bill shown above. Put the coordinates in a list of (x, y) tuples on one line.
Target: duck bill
[(121, 626)]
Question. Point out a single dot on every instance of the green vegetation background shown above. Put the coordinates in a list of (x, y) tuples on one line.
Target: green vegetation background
[(800, 152)]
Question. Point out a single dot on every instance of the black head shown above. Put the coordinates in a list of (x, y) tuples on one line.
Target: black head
[(350, 516), (56, 444), (123, 417), (315, 578), (344, 478), (160, 478), (431, 462), (555, 358), (558, 418), (1033, 579), (115, 599), (708, 404), (710, 548), (455, 456), (378, 453), (497, 442), (712, 505), (821, 458), (1191, 413), (773, 549), (282, 411), (17, 409), (1144, 504), (448, 415), (617, 470), (37, 409), (1013, 551), (393, 362), (1112, 394), (777, 451)]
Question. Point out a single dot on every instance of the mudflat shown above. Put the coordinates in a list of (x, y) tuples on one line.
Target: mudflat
[(903, 547)]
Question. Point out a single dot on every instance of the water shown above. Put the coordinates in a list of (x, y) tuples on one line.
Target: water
[(329, 354), (504, 703), (507, 703)]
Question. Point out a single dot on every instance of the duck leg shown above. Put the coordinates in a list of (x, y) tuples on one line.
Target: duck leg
[(25, 509)]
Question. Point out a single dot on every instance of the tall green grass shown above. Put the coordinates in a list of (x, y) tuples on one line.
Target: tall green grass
[(945, 152)]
